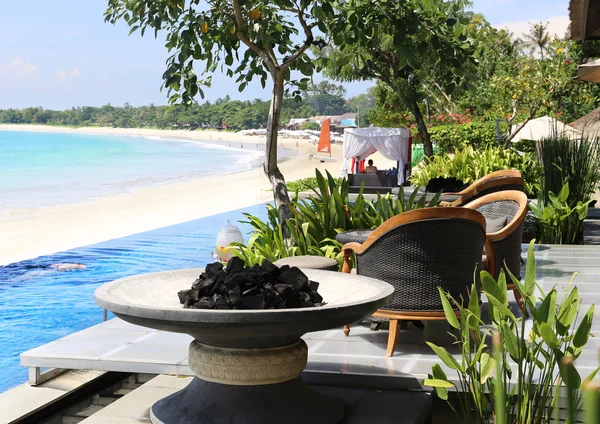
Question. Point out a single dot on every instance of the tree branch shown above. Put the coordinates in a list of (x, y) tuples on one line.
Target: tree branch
[(446, 96), (239, 26), (307, 43)]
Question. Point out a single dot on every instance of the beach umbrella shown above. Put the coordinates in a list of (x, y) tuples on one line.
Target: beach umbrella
[(589, 71), (543, 127)]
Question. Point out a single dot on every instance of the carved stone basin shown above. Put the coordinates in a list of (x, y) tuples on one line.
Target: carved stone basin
[(248, 361)]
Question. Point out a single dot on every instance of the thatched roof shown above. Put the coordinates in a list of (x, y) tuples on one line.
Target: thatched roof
[(585, 19), (589, 124)]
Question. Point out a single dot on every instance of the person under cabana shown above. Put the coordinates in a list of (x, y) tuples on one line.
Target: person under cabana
[(371, 169)]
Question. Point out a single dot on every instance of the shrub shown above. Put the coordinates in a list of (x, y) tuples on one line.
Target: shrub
[(306, 184), (525, 391), (477, 134), (469, 165), (317, 220), (558, 221), (310, 125), (576, 163)]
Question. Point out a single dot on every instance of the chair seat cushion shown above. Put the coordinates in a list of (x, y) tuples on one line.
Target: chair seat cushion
[(493, 225)]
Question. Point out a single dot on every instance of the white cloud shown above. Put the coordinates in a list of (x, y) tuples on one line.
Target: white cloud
[(63, 76), (17, 72), (557, 25)]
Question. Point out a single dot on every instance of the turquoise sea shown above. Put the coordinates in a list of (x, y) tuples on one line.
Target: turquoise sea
[(46, 169)]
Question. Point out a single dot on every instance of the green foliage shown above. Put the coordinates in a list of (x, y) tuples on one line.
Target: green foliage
[(317, 220), (306, 184), (239, 38), (405, 45), (567, 161), (571, 175), (477, 134), (469, 165), (310, 126), (522, 390), (558, 220), (218, 114)]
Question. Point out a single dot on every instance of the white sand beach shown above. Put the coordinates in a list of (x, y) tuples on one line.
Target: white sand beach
[(28, 233)]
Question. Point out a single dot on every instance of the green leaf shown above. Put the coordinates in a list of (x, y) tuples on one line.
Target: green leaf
[(567, 312), (474, 307), (547, 309), (564, 193), (487, 367), (448, 310), (500, 308), (549, 336), (570, 376), (510, 340), (530, 270), (493, 287), (434, 382), (583, 330), (438, 373), (589, 377), (445, 357)]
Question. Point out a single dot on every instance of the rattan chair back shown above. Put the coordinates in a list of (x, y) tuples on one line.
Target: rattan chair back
[(506, 179), (504, 250), (421, 250)]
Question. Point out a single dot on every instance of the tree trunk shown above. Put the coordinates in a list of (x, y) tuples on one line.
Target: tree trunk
[(422, 127), (280, 194)]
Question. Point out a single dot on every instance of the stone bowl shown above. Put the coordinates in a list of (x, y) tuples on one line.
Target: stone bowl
[(151, 300)]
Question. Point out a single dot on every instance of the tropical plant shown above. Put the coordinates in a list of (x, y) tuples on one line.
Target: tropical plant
[(558, 220), (516, 379), (318, 219), (469, 165), (538, 37), (576, 163)]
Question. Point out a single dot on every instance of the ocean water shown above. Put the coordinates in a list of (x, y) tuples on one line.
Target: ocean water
[(39, 304), (47, 169)]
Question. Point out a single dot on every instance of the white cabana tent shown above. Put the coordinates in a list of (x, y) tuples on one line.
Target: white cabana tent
[(392, 143), (539, 128)]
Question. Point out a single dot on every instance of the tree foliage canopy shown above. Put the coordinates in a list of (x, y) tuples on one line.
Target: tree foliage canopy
[(405, 45), (244, 40)]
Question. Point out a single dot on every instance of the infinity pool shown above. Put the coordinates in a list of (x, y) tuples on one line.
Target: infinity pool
[(39, 304)]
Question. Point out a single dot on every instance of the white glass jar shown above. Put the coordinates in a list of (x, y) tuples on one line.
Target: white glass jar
[(229, 234)]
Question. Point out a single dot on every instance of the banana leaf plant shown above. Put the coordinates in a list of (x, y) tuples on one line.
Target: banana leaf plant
[(519, 376)]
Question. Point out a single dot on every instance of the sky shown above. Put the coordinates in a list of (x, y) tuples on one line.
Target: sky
[(59, 54)]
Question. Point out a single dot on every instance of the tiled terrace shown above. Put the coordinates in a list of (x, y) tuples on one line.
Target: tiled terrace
[(118, 346)]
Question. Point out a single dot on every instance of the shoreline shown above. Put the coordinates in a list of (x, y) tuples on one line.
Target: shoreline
[(33, 232)]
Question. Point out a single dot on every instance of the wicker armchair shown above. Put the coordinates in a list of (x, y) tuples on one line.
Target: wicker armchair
[(507, 208), (506, 179), (417, 252)]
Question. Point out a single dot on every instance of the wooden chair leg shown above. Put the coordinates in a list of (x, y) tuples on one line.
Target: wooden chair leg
[(392, 338), (520, 302), (346, 330)]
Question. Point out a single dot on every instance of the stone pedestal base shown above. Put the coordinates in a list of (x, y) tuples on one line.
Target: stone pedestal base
[(247, 386), (291, 402)]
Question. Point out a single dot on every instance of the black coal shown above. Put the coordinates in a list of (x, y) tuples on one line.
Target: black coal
[(258, 287)]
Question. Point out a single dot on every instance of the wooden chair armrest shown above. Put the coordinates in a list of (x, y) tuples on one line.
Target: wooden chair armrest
[(490, 257), (347, 249)]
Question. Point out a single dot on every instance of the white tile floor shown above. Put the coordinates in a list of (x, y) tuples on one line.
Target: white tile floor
[(118, 346)]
